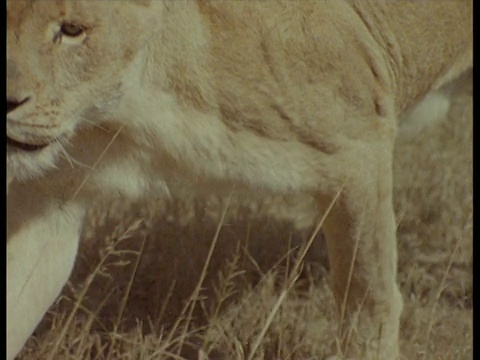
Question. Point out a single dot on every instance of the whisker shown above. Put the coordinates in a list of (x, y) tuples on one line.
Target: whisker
[(95, 124), (72, 159), (67, 156), (100, 157)]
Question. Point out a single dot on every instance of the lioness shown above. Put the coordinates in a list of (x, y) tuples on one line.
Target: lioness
[(124, 97)]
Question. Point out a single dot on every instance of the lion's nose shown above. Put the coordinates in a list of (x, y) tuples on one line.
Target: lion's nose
[(13, 103)]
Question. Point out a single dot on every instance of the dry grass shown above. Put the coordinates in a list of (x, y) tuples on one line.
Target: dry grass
[(143, 289)]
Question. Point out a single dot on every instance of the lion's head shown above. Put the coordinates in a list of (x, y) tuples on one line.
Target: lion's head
[(66, 60)]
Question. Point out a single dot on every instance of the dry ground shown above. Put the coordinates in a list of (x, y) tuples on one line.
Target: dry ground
[(135, 295)]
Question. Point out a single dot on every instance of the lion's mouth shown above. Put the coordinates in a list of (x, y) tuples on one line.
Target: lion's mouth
[(24, 146)]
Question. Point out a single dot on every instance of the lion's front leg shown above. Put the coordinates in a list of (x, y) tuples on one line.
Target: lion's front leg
[(361, 240), (42, 241)]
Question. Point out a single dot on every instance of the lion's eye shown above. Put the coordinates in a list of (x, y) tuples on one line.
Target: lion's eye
[(71, 29)]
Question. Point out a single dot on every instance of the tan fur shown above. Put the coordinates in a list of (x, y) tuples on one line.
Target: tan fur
[(277, 96)]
